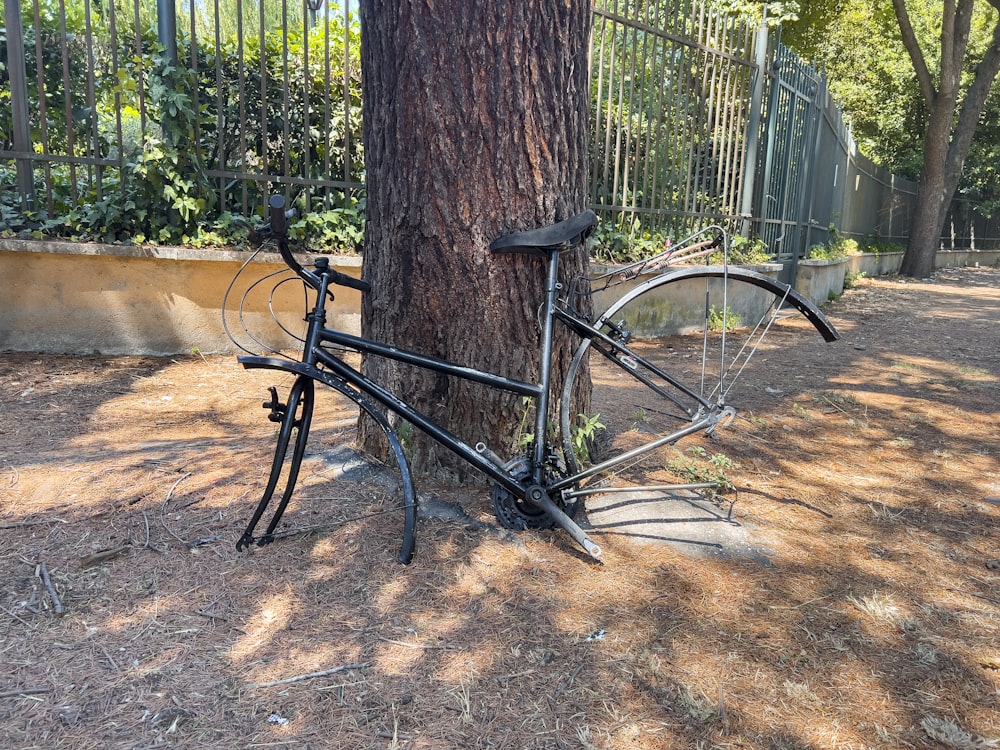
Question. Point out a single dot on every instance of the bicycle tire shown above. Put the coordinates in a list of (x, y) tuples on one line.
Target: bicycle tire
[(684, 374)]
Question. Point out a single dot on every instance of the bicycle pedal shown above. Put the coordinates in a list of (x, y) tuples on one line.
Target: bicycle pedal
[(277, 408)]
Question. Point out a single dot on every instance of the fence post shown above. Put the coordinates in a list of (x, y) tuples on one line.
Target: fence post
[(19, 104), (166, 27), (753, 128)]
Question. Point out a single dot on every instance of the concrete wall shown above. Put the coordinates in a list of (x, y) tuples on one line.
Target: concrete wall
[(821, 280), (82, 298), (64, 297)]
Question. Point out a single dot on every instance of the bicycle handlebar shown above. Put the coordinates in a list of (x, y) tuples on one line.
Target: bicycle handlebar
[(278, 225)]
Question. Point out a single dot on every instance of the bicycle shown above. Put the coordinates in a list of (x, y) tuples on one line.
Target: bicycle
[(606, 452)]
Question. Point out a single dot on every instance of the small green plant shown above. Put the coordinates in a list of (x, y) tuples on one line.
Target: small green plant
[(702, 467), (638, 417), (851, 280), (837, 247), (722, 320), (743, 251), (583, 432), (583, 436), (404, 431)]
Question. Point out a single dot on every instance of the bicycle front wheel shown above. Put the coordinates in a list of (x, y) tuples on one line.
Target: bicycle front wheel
[(676, 356)]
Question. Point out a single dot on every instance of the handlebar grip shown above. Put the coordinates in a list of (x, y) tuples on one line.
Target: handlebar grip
[(278, 215), (322, 265), (344, 280)]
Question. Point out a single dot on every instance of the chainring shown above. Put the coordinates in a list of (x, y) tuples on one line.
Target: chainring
[(517, 514)]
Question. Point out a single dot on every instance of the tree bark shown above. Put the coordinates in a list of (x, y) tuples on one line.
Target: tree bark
[(475, 125)]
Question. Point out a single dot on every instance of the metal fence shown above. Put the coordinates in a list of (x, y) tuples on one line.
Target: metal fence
[(672, 85), (695, 117), (273, 92)]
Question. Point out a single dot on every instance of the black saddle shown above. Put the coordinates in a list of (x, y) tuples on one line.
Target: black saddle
[(561, 236)]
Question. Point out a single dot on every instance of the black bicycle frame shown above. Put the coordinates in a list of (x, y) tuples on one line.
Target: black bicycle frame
[(323, 365), (315, 354)]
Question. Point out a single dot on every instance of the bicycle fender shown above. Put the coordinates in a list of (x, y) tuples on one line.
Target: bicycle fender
[(778, 288)]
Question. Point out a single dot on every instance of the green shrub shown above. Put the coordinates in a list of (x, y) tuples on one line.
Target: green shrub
[(837, 247)]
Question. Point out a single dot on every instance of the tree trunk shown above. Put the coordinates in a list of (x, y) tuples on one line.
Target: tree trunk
[(932, 200), (475, 125)]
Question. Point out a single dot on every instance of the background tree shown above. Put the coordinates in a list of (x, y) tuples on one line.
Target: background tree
[(475, 119), (953, 112), (920, 126)]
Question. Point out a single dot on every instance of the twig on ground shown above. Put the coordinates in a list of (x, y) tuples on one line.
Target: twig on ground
[(43, 573), (15, 616), (203, 541), (89, 561), (309, 676), (170, 492), (211, 615), (25, 691), (166, 500), (974, 594), (21, 524), (111, 661), (444, 647)]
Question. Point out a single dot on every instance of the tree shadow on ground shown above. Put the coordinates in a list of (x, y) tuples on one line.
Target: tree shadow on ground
[(874, 626)]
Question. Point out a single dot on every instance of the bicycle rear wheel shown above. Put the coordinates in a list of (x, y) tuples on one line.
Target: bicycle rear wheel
[(676, 356)]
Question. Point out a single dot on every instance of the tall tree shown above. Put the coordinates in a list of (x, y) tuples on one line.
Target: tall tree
[(953, 112), (475, 125)]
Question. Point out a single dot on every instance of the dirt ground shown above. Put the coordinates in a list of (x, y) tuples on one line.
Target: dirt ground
[(871, 483)]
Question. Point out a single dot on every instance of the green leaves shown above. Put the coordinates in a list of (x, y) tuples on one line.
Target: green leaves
[(238, 106)]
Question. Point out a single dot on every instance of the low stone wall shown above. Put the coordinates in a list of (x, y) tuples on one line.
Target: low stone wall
[(63, 297), (823, 280), (73, 298)]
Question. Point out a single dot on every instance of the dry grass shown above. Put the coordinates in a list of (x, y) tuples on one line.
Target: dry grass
[(873, 488)]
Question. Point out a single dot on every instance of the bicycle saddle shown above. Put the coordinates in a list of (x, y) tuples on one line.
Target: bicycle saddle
[(561, 236)]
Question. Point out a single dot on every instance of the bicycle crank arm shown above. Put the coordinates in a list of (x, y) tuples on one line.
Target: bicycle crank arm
[(539, 497)]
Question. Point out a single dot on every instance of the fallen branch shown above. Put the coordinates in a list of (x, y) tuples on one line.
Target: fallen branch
[(43, 573), (309, 676)]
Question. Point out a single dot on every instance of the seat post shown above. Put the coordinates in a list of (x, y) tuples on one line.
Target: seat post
[(545, 367)]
